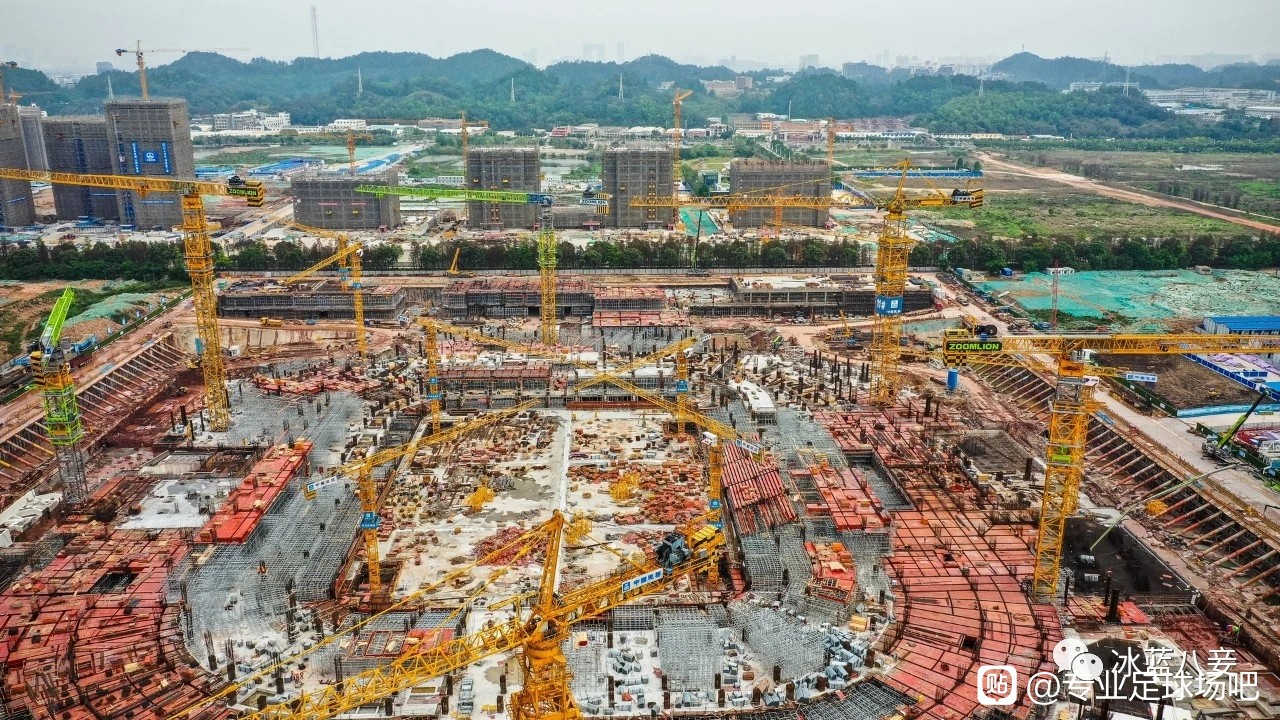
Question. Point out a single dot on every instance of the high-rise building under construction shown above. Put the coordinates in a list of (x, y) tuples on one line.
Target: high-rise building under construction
[(502, 168), (16, 205), (783, 179), (80, 144), (150, 137), (33, 136), (637, 173), (329, 201)]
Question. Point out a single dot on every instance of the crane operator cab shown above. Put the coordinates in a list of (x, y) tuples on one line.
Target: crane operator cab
[(677, 549)]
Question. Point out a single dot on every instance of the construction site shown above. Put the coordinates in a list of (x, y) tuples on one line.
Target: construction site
[(841, 496)]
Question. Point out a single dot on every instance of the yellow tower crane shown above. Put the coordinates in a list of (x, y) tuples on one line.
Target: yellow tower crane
[(677, 102), (466, 137), (1073, 404), (62, 419), (831, 144), (368, 489), (547, 249), (350, 269), (435, 389), (198, 251), (536, 632), (892, 256), (352, 137), (142, 65)]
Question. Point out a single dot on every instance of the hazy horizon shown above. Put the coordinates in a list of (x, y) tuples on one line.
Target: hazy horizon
[(756, 33)]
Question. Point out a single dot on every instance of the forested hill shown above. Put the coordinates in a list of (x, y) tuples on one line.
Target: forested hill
[(1059, 73), (413, 85)]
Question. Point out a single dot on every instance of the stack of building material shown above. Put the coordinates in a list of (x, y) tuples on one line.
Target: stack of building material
[(755, 492), (677, 492), (246, 505), (506, 536), (845, 497), (835, 577), (101, 604)]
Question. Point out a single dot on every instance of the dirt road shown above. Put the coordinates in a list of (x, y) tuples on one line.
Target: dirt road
[(991, 162)]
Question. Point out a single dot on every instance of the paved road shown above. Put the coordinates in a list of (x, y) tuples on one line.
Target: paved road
[(990, 162)]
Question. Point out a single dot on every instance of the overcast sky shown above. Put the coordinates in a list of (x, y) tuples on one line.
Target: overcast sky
[(62, 35)]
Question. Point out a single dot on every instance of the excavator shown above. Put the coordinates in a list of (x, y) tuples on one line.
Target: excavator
[(1219, 448), (453, 270)]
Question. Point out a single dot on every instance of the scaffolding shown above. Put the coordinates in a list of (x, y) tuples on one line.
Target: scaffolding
[(588, 663), (315, 300), (80, 144), (509, 169), (690, 649), (514, 297), (783, 179), (780, 639), (633, 173), (330, 202), (16, 205)]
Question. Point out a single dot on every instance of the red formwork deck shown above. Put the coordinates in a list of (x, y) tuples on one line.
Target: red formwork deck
[(962, 605), (755, 492), (960, 600), (91, 636), (246, 505)]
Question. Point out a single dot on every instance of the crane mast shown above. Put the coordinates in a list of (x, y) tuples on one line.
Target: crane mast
[(677, 103), (62, 420), (892, 255), (348, 257)]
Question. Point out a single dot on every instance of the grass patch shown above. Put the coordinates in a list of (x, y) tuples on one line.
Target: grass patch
[(1263, 189), (1079, 215)]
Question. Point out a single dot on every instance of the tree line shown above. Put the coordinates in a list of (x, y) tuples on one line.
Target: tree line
[(644, 253), (1239, 252), (129, 260), (285, 255), (155, 262)]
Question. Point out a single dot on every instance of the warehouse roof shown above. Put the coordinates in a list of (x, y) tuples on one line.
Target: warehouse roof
[(1254, 323)]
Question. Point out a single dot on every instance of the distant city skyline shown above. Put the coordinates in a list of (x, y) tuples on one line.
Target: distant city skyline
[(756, 34)]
